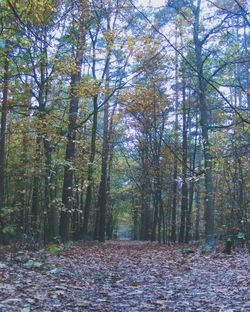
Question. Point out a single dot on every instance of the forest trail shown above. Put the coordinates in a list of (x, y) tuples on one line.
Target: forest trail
[(126, 276)]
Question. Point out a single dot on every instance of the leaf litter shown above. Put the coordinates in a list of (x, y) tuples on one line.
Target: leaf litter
[(125, 276)]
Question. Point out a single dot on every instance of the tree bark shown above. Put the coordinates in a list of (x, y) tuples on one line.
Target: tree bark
[(204, 122), (198, 209), (88, 198), (184, 189), (3, 138), (102, 199), (175, 182), (67, 193)]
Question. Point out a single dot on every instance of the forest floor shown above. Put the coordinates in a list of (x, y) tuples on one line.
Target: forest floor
[(124, 276)]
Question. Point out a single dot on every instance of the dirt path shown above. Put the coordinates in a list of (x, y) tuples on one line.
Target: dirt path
[(127, 276)]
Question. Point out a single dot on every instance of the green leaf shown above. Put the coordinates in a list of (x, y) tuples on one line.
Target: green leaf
[(53, 248)]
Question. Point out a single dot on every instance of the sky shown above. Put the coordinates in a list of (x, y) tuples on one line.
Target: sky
[(154, 3)]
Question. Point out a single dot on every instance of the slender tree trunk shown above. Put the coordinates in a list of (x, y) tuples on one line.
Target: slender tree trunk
[(191, 183), (22, 183), (198, 209), (67, 194), (110, 220), (184, 190), (175, 182), (158, 129), (5, 91), (38, 208), (189, 213), (163, 222), (145, 207), (145, 196), (88, 198), (174, 203), (102, 199), (51, 209), (209, 209), (161, 212), (156, 209), (147, 214), (36, 199), (135, 217)]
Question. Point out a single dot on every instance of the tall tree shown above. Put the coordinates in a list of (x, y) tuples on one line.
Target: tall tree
[(78, 50), (4, 107)]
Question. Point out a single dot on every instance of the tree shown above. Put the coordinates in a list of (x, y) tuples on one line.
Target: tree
[(67, 193), (4, 108)]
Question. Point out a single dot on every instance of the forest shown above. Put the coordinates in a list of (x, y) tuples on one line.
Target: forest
[(121, 118), (124, 155), (115, 114)]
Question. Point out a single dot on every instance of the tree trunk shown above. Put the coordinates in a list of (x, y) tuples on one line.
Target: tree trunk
[(198, 209), (156, 210), (189, 213), (51, 210), (110, 220), (191, 183), (88, 199), (36, 200), (209, 209), (175, 182), (145, 212), (67, 193), (184, 190), (5, 91), (102, 199)]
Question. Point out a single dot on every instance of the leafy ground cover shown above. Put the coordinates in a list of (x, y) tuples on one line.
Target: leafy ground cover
[(124, 276)]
